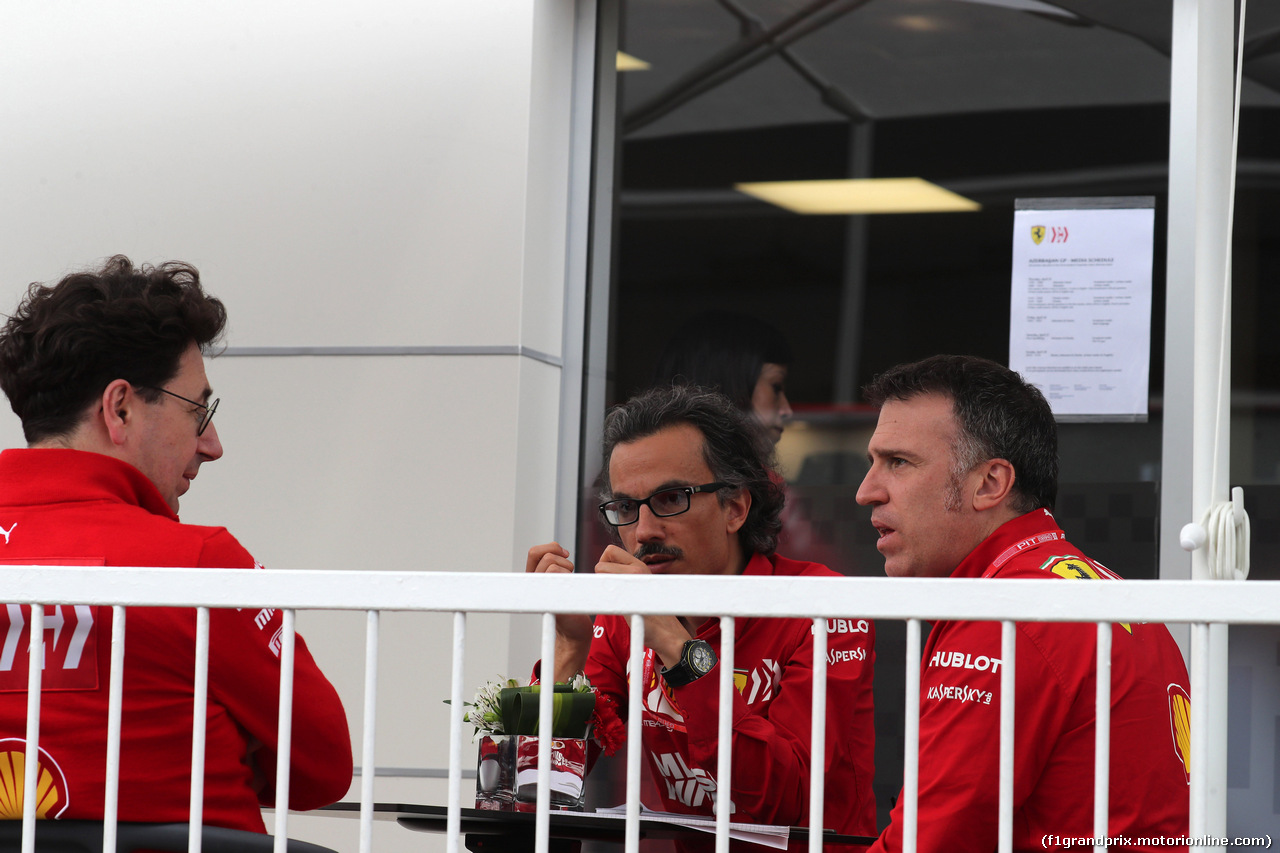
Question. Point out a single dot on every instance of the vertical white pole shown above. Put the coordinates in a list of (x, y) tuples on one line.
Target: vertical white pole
[(818, 736), (115, 702), (1197, 387), (587, 125), (368, 753), (1199, 730), (724, 758), (635, 731), (32, 758), (1200, 119), (1008, 688), (542, 837), (284, 738), (199, 713), (1212, 343), (454, 841), (1102, 742), (1216, 735), (911, 740)]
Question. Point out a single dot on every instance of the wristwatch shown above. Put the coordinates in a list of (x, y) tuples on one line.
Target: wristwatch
[(697, 658)]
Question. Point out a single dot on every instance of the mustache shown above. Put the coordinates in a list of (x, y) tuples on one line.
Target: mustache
[(655, 549)]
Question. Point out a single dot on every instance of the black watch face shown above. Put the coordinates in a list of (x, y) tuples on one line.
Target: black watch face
[(702, 659)]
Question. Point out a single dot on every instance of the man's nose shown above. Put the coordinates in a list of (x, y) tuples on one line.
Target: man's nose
[(648, 526), (871, 492), (208, 445)]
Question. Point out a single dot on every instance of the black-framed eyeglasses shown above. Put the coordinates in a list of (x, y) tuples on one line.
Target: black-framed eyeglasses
[(663, 504), (205, 419)]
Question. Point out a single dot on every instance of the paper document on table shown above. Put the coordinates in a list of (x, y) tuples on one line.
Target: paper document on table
[(756, 833), (1080, 308)]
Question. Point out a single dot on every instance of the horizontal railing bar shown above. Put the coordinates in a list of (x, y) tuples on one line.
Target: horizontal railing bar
[(1255, 602), (412, 772)]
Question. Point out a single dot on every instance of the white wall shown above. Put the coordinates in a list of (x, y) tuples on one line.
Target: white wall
[(390, 174)]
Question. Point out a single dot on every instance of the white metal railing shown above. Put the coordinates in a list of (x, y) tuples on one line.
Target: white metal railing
[(1201, 603)]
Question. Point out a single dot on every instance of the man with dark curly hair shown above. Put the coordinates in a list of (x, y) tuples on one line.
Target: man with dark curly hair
[(106, 371), (687, 489)]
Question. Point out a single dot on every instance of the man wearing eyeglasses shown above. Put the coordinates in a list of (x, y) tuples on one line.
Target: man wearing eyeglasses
[(106, 371), (687, 489)]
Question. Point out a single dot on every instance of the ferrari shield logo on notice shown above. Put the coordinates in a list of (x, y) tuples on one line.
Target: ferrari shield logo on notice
[(1037, 234)]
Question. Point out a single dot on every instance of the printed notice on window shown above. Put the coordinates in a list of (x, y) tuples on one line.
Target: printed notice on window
[(1080, 314)]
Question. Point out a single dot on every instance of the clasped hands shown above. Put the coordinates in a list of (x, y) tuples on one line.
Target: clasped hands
[(666, 635)]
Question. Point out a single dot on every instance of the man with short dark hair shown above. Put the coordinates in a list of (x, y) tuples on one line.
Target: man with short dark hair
[(687, 487), (106, 371), (964, 473)]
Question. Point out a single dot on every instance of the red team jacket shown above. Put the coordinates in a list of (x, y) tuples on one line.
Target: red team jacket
[(1054, 725), (773, 670), (68, 507)]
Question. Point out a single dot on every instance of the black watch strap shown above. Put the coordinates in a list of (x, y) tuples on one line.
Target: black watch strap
[(697, 658)]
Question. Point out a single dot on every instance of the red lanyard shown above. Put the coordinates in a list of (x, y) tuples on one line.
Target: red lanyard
[(1030, 542)]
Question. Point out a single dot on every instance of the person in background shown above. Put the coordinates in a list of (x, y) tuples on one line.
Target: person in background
[(741, 357), (747, 360), (964, 473), (688, 490), (106, 371)]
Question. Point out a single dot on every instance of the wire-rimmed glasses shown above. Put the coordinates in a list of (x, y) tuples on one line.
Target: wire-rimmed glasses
[(208, 410)]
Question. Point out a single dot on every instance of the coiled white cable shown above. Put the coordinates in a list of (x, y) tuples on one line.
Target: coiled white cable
[(1225, 533)]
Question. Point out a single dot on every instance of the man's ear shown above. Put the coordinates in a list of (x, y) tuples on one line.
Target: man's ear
[(995, 486), (119, 410), (736, 509)]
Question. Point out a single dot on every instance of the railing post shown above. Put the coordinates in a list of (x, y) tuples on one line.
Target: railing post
[(635, 728), (115, 703), (284, 737), (911, 741), (818, 735), (1008, 691), (368, 752), (542, 837), (1102, 741), (199, 713), (724, 758), (32, 758), (454, 826), (1199, 730)]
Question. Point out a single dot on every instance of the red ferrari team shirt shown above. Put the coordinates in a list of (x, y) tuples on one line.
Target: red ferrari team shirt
[(69, 507), (773, 671), (1054, 727)]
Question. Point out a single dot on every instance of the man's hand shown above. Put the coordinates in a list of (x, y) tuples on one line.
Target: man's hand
[(573, 630), (666, 635)]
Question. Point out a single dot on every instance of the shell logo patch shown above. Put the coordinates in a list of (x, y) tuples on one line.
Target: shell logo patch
[(52, 796), (1180, 726)]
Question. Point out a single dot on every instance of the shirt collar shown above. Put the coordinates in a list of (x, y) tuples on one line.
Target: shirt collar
[(53, 474), (1015, 536)]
